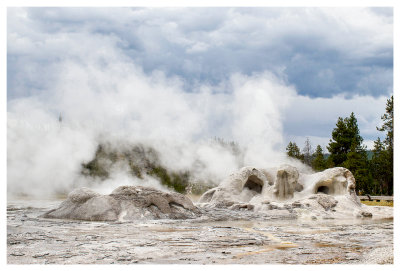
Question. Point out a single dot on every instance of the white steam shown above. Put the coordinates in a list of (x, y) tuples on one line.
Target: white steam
[(108, 98)]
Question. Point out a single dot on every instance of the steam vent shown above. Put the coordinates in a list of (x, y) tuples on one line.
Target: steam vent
[(249, 193)]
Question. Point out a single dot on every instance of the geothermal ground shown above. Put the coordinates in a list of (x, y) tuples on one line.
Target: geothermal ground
[(274, 239)]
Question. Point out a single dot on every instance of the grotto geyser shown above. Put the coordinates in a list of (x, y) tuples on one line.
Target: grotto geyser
[(327, 194), (282, 191)]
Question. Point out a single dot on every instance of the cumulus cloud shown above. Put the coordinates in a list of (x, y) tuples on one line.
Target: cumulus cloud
[(322, 51)]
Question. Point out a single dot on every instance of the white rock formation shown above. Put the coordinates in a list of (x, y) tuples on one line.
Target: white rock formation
[(283, 192), (287, 181), (327, 194)]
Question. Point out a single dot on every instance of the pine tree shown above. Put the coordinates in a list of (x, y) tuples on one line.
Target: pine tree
[(347, 151), (318, 162), (388, 124), (387, 153), (379, 165), (338, 144), (357, 163), (292, 150), (344, 136)]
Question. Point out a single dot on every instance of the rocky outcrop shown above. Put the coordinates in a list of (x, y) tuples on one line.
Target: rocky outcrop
[(124, 203), (287, 181), (249, 193), (280, 184), (327, 194)]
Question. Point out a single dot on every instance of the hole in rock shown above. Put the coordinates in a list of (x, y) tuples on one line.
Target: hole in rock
[(175, 204), (154, 207), (323, 189), (254, 184)]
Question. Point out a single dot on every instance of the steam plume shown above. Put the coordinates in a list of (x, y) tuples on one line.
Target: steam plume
[(117, 102)]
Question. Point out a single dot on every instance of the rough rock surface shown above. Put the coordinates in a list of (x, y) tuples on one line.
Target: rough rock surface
[(326, 201), (33, 240), (382, 255), (326, 195), (124, 203), (249, 193), (286, 183)]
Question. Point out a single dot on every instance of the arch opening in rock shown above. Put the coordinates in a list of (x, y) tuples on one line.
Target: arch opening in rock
[(253, 183), (175, 204), (323, 189)]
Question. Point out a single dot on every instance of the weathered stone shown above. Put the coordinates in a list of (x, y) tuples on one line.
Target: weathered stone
[(82, 194), (286, 188), (124, 203), (362, 213), (326, 201), (366, 214), (286, 182), (297, 204), (241, 206)]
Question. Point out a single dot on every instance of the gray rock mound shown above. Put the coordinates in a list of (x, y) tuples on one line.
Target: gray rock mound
[(124, 203)]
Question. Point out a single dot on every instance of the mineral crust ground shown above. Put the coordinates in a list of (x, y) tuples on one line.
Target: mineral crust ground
[(275, 239)]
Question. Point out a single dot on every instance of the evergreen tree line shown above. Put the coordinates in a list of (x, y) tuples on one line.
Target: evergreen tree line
[(345, 149)]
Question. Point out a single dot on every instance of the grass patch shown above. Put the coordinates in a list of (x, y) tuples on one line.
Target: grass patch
[(375, 203)]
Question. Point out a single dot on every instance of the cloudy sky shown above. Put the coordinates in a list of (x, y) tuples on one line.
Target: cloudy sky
[(308, 66)]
